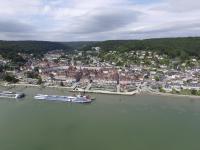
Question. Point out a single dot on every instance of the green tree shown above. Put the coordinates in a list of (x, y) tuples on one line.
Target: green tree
[(1, 68), (161, 90), (157, 78), (39, 82), (194, 92), (10, 78), (61, 83), (31, 74)]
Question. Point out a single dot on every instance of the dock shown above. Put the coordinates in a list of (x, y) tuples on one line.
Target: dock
[(104, 92)]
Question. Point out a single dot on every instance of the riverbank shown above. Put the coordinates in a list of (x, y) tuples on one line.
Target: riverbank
[(105, 92), (70, 89), (33, 85), (173, 95)]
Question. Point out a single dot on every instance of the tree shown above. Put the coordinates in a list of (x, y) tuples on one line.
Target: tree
[(39, 82), (194, 92), (61, 83), (147, 62), (157, 78), (51, 75), (174, 91), (31, 74), (161, 90), (36, 69), (56, 61), (1, 68), (10, 78), (120, 63), (184, 56)]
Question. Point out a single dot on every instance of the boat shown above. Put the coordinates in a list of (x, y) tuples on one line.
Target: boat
[(8, 94), (72, 99)]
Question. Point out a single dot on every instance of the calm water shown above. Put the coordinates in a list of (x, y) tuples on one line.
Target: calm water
[(109, 123)]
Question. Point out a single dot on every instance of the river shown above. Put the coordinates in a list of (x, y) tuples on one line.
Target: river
[(109, 123)]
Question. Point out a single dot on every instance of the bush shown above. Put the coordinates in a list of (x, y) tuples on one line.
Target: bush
[(161, 90), (194, 92), (33, 75), (39, 82), (174, 91), (157, 78), (10, 78), (61, 83)]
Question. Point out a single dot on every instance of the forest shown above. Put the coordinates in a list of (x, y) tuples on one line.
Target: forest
[(173, 47)]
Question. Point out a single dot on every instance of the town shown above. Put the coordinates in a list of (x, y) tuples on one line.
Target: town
[(94, 71)]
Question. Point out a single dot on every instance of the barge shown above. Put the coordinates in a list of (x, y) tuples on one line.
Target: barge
[(72, 99), (13, 95)]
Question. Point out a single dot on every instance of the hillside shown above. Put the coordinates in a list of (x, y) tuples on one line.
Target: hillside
[(189, 46), (171, 46), (31, 46), (79, 44)]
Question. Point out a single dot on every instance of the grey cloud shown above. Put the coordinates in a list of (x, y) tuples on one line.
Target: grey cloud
[(16, 30), (188, 33), (102, 21), (18, 36), (14, 26), (62, 20), (168, 27), (183, 5)]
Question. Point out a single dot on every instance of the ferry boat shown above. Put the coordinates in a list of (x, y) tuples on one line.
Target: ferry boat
[(8, 94), (73, 99)]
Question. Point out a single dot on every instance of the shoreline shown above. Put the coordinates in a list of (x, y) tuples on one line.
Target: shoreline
[(104, 92), (172, 95), (32, 85)]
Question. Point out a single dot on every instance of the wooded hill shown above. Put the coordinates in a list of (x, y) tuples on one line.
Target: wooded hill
[(174, 47)]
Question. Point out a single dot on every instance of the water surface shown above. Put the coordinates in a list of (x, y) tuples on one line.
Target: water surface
[(109, 123)]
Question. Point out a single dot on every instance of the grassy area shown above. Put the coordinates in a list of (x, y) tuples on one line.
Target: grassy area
[(187, 92)]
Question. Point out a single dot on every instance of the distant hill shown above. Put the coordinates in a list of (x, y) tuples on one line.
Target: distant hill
[(11, 48), (79, 44), (171, 46), (189, 46), (34, 47)]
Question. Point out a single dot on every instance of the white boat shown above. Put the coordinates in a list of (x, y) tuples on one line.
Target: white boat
[(73, 99), (8, 94)]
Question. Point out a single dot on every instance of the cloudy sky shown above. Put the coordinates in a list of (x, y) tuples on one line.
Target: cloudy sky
[(80, 20)]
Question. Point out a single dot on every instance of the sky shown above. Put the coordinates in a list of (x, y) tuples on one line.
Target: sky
[(97, 20)]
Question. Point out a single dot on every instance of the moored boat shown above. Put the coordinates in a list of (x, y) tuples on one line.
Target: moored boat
[(13, 95), (73, 99)]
